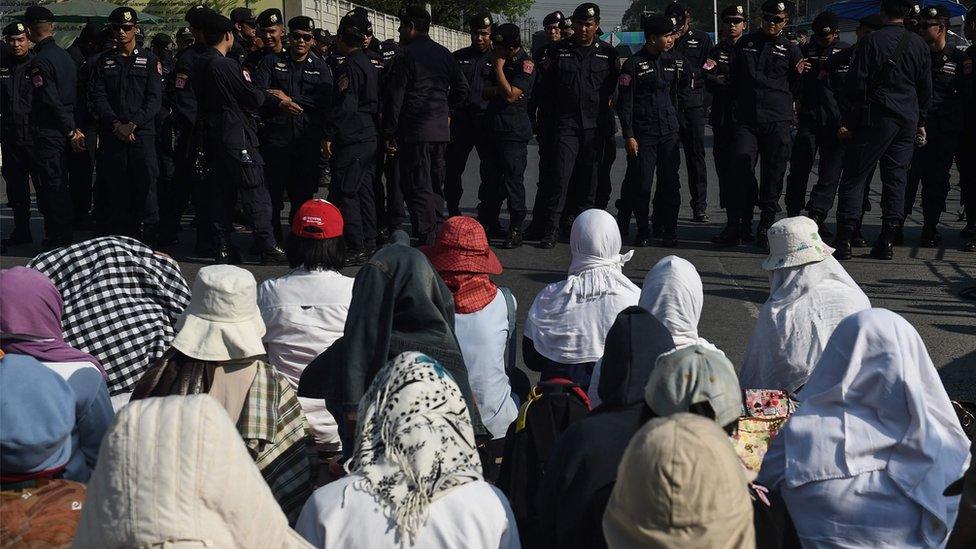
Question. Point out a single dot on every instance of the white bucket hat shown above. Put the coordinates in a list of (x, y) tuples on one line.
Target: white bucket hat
[(795, 241), (223, 321)]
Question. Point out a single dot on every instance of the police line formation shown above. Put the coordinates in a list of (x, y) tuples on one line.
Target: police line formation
[(236, 120)]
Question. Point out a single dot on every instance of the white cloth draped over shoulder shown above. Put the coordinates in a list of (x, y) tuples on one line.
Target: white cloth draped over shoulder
[(805, 304), (875, 423), (569, 320)]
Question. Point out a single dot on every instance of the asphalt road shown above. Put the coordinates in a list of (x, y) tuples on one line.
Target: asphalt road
[(923, 285)]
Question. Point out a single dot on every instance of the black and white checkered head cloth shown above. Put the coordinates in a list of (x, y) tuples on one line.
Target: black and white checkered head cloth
[(121, 302)]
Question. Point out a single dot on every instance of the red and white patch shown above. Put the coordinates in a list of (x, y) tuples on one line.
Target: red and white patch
[(528, 67), (180, 81), (247, 75), (624, 80), (38, 80), (709, 65)]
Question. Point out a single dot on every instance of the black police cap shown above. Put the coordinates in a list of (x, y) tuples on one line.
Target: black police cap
[(301, 23), (184, 32), (586, 10), (507, 34), (825, 23), (355, 26), (37, 14), (873, 21), (123, 16), (243, 15), (14, 29), (735, 10), (776, 6), (269, 18), (899, 5), (414, 14), (553, 18), (480, 21), (659, 24), (214, 22), (675, 9), (935, 12), (161, 40), (322, 35), (194, 16)]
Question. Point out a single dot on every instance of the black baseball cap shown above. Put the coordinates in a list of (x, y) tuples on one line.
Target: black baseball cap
[(302, 23), (37, 14), (123, 16), (322, 35), (269, 18), (355, 26), (507, 34), (676, 10), (586, 10), (194, 16), (243, 15), (14, 29), (825, 23), (185, 32), (480, 21), (553, 18)]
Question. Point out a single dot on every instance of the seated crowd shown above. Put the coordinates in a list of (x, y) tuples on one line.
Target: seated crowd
[(388, 410)]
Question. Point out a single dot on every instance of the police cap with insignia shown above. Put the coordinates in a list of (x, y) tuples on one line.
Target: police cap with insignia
[(479, 21), (37, 14), (677, 11), (161, 40), (565, 23), (553, 18), (123, 16), (194, 16), (14, 29), (414, 14), (322, 35), (269, 18), (214, 22), (735, 11), (302, 23), (873, 21), (507, 34), (585, 11), (776, 6), (659, 24), (243, 15), (354, 27), (825, 24), (935, 13)]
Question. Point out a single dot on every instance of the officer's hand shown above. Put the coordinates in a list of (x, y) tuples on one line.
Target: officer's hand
[(921, 135), (843, 134), (631, 146), (391, 147), (78, 141), (327, 147), (280, 95), (291, 107), (803, 66)]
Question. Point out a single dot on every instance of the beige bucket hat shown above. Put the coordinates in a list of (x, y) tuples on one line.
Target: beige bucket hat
[(795, 241)]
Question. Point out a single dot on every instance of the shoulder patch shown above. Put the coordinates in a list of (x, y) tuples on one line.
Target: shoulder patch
[(247, 74), (38, 80), (623, 80), (528, 67), (180, 80)]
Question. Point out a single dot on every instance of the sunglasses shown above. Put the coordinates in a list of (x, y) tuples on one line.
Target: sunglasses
[(777, 19), (733, 20), (126, 28), (305, 37)]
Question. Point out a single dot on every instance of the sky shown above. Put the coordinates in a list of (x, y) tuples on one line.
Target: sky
[(611, 11)]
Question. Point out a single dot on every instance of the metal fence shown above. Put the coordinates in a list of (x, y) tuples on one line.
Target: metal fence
[(326, 14)]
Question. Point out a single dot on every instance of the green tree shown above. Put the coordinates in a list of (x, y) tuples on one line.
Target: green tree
[(701, 12), (451, 13)]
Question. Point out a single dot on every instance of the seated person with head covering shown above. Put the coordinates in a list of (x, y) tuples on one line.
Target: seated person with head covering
[(415, 477), (809, 294), (30, 327), (304, 311), (218, 351), (569, 320), (583, 463), (175, 472), (39, 507), (873, 444)]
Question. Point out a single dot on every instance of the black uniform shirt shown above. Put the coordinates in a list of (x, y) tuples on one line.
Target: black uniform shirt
[(693, 47), (811, 99), (763, 78), (424, 84), (126, 88), (579, 81), (538, 109), (254, 58), (717, 71), (352, 116), (227, 101), (647, 102), (180, 87), (948, 87), (474, 65), (54, 77), (969, 88), (906, 89), (308, 83), (834, 76), (15, 99), (510, 121)]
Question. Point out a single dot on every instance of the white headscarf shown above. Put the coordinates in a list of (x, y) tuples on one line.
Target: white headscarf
[(673, 294), (875, 402), (569, 320), (805, 305)]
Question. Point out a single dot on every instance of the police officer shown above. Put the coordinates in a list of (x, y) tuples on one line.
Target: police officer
[(817, 121), (125, 94), (323, 43), (467, 128), (300, 91), (693, 46), (245, 31), (15, 135), (566, 29), (508, 87), (271, 32), (717, 72), (233, 161), (967, 143), (350, 139), (649, 83), (184, 39), (764, 72), (391, 214), (943, 126), (888, 92), (580, 76), (54, 80), (81, 163), (423, 86)]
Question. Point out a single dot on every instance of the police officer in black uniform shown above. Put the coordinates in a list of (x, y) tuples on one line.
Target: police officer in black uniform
[(944, 125), (350, 138), (467, 128), (300, 91), (967, 142), (693, 46), (817, 128), (717, 71), (765, 70), (647, 105), (508, 87), (580, 75), (15, 135), (81, 163), (125, 94), (245, 32), (184, 39), (888, 92), (324, 41), (423, 86), (271, 31), (235, 167), (54, 80)]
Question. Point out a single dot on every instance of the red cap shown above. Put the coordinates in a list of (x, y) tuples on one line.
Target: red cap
[(317, 219)]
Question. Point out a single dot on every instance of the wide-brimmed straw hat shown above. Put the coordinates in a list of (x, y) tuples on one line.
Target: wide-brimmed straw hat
[(223, 321), (462, 247), (795, 241)]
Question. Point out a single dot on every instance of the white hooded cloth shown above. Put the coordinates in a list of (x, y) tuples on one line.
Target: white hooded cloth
[(805, 304), (569, 320)]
